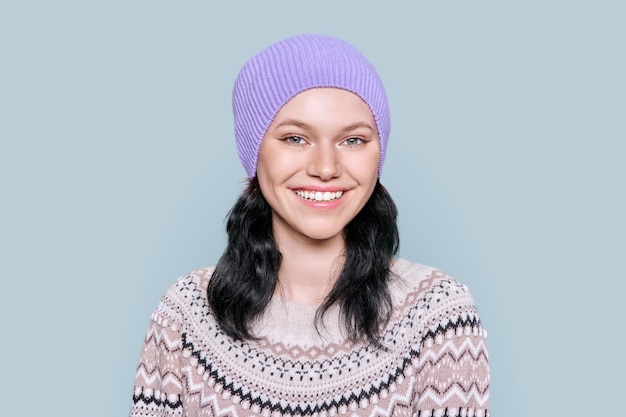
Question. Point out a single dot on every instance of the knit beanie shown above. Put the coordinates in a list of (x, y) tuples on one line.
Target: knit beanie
[(278, 73)]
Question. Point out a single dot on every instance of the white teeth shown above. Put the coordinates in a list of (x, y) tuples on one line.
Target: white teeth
[(319, 196)]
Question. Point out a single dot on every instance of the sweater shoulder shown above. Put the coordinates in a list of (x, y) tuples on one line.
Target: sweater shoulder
[(434, 296), (186, 296), (409, 277)]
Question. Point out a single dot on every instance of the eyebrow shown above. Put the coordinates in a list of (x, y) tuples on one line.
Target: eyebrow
[(303, 125)]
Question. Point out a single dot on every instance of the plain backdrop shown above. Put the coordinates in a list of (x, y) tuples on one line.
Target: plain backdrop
[(118, 167)]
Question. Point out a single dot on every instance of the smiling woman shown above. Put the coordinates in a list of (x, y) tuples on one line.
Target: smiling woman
[(309, 311), (318, 166)]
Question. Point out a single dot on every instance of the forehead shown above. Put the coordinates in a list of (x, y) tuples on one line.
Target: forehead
[(326, 105)]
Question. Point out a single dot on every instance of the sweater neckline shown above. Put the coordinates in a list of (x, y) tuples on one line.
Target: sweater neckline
[(293, 324)]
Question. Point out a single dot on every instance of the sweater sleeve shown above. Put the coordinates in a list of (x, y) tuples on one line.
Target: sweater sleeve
[(453, 364), (158, 387)]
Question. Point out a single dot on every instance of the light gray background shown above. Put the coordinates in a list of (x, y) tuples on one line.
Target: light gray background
[(118, 166)]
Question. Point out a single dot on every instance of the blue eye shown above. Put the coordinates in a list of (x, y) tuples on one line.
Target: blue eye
[(294, 140), (353, 141)]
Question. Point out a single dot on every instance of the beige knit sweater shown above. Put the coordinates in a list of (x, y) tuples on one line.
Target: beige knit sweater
[(435, 362)]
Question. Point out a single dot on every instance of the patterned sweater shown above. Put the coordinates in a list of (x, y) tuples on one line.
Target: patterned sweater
[(435, 362)]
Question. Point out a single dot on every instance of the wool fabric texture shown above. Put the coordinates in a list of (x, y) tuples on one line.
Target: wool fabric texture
[(271, 78), (435, 360)]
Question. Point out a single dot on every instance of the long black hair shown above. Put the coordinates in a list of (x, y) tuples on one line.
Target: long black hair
[(246, 275)]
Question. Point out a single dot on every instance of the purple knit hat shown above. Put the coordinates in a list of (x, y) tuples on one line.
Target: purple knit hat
[(275, 75)]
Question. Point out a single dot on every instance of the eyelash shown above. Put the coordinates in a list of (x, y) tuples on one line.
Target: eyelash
[(294, 140), (298, 140), (360, 141)]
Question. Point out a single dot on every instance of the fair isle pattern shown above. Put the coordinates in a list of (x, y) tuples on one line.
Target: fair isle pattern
[(435, 362)]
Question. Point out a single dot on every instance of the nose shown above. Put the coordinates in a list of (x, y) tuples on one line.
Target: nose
[(324, 162)]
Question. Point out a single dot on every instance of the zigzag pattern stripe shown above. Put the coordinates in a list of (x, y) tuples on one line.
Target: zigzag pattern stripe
[(374, 389)]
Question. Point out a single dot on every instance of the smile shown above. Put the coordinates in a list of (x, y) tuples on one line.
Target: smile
[(319, 196)]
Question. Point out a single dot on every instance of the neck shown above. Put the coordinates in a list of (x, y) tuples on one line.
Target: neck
[(309, 268)]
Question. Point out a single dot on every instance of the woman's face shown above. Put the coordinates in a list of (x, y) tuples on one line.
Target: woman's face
[(318, 163)]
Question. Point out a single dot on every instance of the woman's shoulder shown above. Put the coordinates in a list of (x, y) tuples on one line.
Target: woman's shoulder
[(420, 275), (197, 279), (187, 296), (431, 303), (428, 287)]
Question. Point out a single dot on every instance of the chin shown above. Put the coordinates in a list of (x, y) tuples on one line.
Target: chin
[(323, 236)]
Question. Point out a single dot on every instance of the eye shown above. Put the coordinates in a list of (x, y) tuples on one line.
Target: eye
[(294, 140), (354, 141)]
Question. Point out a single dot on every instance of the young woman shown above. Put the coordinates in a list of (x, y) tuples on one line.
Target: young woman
[(309, 311)]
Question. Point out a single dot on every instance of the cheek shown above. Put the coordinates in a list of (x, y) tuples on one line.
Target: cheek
[(272, 176), (265, 181), (279, 167), (365, 167)]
